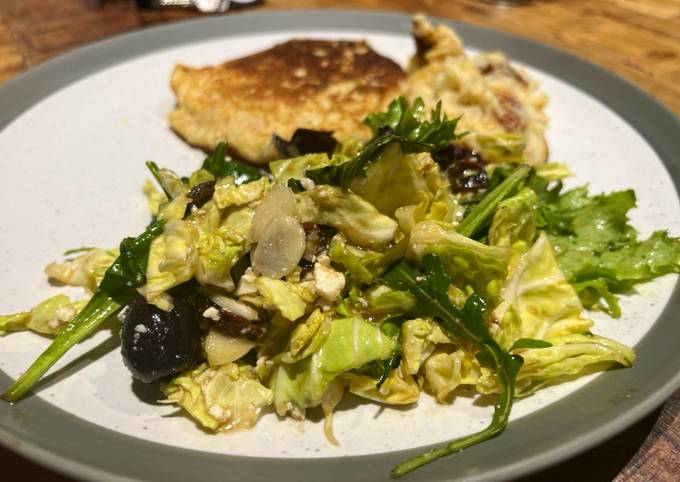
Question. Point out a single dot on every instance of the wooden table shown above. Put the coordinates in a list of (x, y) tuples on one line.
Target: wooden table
[(638, 39)]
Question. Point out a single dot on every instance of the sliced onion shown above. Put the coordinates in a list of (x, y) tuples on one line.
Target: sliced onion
[(279, 201), (280, 248), (237, 307), (221, 349)]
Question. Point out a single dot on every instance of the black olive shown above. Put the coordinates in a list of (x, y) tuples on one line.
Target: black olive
[(157, 343)]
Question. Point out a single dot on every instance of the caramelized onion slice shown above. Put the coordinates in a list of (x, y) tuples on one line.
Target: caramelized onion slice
[(221, 349)]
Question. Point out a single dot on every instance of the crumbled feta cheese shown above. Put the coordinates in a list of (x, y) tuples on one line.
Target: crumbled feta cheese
[(295, 412), (141, 328), (65, 313), (261, 362), (123, 313), (307, 184), (323, 259), (212, 313), (328, 282), (246, 285), (216, 411)]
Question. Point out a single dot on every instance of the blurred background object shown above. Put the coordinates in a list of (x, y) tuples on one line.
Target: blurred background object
[(204, 6)]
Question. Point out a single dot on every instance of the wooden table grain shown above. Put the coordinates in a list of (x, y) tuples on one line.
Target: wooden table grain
[(637, 39)]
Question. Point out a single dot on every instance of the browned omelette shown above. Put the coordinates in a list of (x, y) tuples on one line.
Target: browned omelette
[(313, 84)]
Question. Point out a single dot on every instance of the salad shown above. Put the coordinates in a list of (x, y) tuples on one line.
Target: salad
[(387, 269)]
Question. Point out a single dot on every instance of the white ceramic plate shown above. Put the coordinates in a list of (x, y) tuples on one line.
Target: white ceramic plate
[(72, 167)]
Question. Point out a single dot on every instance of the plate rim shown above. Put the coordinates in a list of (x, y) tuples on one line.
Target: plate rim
[(620, 95)]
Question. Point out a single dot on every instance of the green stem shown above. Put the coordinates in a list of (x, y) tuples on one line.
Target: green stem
[(474, 221), (506, 370), (156, 172), (99, 309)]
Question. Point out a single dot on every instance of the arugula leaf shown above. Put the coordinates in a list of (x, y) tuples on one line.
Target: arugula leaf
[(156, 173), (406, 121), (128, 271), (219, 164), (530, 343), (84, 249), (391, 327), (381, 369), (401, 123), (429, 286), (116, 290), (295, 185)]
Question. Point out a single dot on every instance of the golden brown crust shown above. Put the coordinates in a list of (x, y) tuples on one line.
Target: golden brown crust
[(315, 84)]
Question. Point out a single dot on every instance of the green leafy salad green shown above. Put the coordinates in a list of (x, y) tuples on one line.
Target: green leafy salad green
[(385, 270)]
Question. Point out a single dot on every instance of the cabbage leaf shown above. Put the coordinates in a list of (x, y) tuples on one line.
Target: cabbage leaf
[(349, 213), (228, 397), (349, 344), (47, 318)]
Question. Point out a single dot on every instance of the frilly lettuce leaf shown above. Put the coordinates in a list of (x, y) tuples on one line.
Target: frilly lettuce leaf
[(466, 261), (350, 214), (597, 249), (86, 270), (47, 318), (617, 271), (228, 397), (350, 344)]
